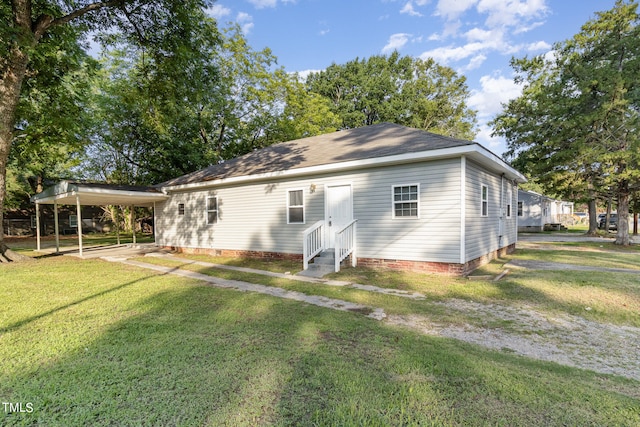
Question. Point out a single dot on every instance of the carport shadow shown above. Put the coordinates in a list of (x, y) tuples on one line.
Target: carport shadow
[(28, 320)]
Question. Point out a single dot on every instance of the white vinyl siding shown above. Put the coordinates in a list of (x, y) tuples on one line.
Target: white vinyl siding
[(254, 217), (295, 206), (406, 201), (482, 234)]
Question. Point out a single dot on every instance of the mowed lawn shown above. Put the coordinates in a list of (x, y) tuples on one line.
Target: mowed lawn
[(87, 342)]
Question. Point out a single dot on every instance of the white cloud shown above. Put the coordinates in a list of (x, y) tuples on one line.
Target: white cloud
[(450, 30), (409, 10), (484, 36), (527, 28), (245, 21), (453, 9), (475, 62), (538, 46), (218, 11), (261, 4), (495, 92), (445, 55), (496, 144), (396, 42), (511, 13)]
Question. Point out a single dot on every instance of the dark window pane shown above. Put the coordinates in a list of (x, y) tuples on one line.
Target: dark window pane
[(212, 217), (212, 204), (296, 215)]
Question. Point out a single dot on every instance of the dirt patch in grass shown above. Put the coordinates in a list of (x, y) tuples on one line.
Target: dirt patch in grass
[(566, 339)]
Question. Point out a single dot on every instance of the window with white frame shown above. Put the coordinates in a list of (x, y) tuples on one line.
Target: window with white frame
[(180, 208), (520, 209), (295, 206), (484, 197), (212, 210), (509, 201), (73, 221), (406, 201)]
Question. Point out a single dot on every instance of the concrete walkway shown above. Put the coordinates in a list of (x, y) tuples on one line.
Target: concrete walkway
[(320, 301), (296, 277)]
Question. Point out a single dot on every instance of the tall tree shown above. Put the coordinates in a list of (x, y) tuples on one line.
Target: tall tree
[(403, 90), (25, 25), (52, 117), (576, 123)]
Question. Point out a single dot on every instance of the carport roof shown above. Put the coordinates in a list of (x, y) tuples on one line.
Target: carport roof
[(93, 194)]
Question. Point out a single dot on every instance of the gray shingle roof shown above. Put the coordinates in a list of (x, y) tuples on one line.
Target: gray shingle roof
[(381, 140)]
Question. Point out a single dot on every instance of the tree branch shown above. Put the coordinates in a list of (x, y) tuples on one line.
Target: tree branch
[(83, 11), (44, 22)]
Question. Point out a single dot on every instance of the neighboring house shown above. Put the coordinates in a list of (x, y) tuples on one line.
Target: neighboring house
[(382, 195), (419, 201), (535, 211)]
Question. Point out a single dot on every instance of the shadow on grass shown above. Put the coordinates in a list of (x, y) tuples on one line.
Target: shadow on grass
[(28, 320), (193, 355)]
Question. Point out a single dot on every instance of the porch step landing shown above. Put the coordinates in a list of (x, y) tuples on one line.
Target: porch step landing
[(321, 265)]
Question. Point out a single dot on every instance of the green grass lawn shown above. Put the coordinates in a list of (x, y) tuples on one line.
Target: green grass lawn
[(87, 342), (611, 297), (27, 245)]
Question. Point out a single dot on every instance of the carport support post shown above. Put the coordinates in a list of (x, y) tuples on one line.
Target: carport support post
[(79, 213), (38, 225), (133, 224), (116, 219), (56, 226)]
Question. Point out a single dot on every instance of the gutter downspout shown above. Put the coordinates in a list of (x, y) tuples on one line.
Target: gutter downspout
[(502, 213), (463, 210)]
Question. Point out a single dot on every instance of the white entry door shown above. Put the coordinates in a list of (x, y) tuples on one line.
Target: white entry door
[(339, 210)]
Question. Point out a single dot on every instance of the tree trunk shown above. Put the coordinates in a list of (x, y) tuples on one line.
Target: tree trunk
[(10, 86), (622, 236), (593, 218)]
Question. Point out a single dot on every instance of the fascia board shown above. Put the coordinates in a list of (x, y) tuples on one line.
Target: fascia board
[(475, 151), (122, 193)]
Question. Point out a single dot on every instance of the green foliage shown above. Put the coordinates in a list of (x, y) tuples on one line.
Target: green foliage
[(158, 120), (575, 126), (403, 90), (52, 116)]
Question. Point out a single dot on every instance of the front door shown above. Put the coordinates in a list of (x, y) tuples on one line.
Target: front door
[(339, 210)]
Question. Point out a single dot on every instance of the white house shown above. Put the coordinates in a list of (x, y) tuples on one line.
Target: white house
[(399, 197), (383, 195), (536, 210)]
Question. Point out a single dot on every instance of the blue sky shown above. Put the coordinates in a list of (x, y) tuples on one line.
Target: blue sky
[(477, 38)]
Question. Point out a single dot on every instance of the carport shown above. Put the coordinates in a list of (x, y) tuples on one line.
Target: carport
[(93, 194)]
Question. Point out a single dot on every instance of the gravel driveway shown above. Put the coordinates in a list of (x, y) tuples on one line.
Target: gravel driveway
[(565, 339)]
